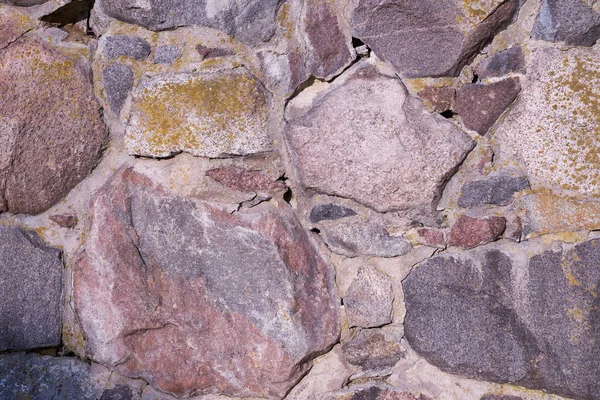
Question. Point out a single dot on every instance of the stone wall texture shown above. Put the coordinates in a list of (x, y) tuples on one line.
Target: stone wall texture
[(299, 199)]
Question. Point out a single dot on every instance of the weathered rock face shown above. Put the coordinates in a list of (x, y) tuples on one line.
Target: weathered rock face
[(30, 291), (128, 46), (250, 21), (573, 22), (118, 82), (402, 32), (369, 299), (367, 140), (13, 23), (154, 293), (51, 128), (27, 376), (372, 351), (483, 315), (212, 115), (554, 126), (481, 105)]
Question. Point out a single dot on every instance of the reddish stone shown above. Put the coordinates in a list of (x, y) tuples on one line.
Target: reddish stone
[(470, 232), (514, 229), (480, 106), (432, 237), (66, 221), (52, 130), (244, 180), (438, 99), (211, 52), (199, 301)]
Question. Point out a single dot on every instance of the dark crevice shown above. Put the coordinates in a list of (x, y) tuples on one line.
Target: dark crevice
[(356, 42), (70, 13), (315, 230), (448, 114), (475, 78), (288, 195)]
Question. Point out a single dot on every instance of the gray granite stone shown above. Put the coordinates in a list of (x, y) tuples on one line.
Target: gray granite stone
[(128, 46), (117, 80), (498, 190)]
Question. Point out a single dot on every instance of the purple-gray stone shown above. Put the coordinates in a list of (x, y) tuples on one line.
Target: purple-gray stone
[(502, 63), (30, 291), (117, 80), (128, 46), (498, 190), (573, 22), (329, 211)]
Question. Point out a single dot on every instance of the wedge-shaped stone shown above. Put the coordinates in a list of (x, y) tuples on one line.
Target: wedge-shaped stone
[(212, 115), (367, 140), (199, 301), (429, 37)]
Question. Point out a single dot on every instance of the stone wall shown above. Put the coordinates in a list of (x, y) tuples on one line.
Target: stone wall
[(300, 199)]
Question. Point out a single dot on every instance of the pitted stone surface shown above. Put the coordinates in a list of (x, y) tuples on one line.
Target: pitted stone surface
[(31, 376), (573, 22), (402, 32), (117, 80), (554, 126), (30, 291), (369, 299), (484, 315), (371, 350), (250, 21), (128, 46), (213, 114), (162, 277), (52, 132), (367, 140)]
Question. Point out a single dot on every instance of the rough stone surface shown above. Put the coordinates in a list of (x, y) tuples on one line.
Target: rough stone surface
[(371, 392), (166, 54), (13, 24), (499, 397), (481, 315), (369, 299), (154, 286), (117, 80), (250, 21), (371, 350), (212, 114), (211, 52), (120, 392), (397, 155), (45, 93), (554, 127), (573, 22), (31, 376), (438, 99), (498, 190), (244, 180), (502, 63), (402, 32), (355, 238), (65, 221), (30, 291), (470, 232), (479, 106), (329, 212), (128, 46)]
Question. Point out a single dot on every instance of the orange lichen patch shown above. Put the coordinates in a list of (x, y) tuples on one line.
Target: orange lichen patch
[(475, 11), (13, 23), (208, 114), (555, 129), (285, 21), (550, 214)]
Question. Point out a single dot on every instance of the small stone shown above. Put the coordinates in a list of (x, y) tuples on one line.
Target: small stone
[(244, 180), (31, 376), (329, 212), (499, 397), (479, 106), (573, 22), (501, 63), (498, 190), (119, 392), (128, 46), (353, 239), (428, 38), (166, 54), (117, 80), (432, 237), (209, 114), (65, 221), (438, 99), (370, 392), (470, 232), (372, 351), (30, 291), (369, 299), (210, 52)]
